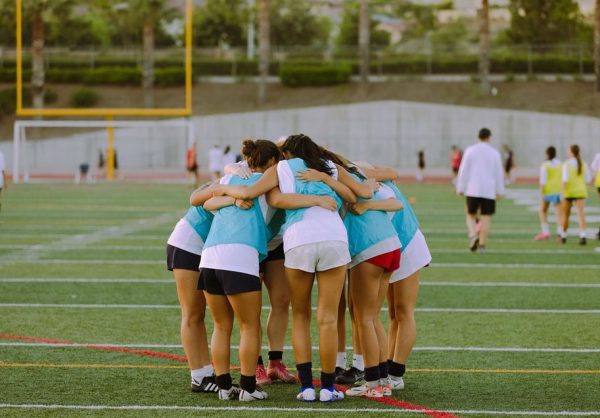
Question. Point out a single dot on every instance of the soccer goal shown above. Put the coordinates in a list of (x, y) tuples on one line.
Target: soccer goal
[(82, 149)]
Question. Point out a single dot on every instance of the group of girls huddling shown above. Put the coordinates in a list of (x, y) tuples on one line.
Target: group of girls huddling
[(289, 213), (565, 185)]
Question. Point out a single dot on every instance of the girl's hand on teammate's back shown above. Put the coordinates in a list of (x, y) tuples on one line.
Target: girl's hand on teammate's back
[(241, 171), (327, 202), (373, 184), (312, 175), (244, 204), (359, 208)]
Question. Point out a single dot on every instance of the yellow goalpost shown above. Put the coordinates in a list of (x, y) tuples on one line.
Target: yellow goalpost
[(108, 113)]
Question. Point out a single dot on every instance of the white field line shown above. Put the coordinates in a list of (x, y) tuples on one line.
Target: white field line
[(333, 410), (505, 251), (90, 248), (157, 262), (520, 265), (428, 310), (423, 283), (290, 348)]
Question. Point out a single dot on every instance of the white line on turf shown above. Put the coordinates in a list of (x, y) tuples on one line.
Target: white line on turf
[(289, 347), (292, 410), (519, 266), (422, 283), (428, 310)]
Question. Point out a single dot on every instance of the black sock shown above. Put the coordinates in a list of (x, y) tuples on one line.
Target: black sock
[(260, 361), (372, 374), (305, 374), (383, 370), (397, 369), (224, 381), (275, 355), (248, 383), (327, 380)]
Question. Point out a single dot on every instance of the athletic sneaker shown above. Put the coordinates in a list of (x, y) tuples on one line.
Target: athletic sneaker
[(474, 243), (541, 237), (207, 385), (481, 249), (563, 240), (277, 371), (233, 393), (350, 376), (327, 395), (582, 241), (366, 390), (338, 372), (397, 383), (257, 395), (386, 386), (307, 395), (261, 375)]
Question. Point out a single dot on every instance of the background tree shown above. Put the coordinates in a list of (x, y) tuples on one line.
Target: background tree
[(546, 22), (349, 28), (219, 22), (597, 44), (264, 49), (484, 46), (363, 41), (294, 24)]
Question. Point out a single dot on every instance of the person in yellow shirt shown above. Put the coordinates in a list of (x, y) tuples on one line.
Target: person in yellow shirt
[(550, 184), (595, 166), (575, 176)]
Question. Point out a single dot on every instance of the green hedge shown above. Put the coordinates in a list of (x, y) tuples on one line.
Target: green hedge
[(8, 99), (314, 75), (84, 97)]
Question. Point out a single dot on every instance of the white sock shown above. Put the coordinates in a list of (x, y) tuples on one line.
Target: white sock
[(582, 233), (205, 371), (357, 361), (340, 360), (546, 229), (559, 230), (563, 234)]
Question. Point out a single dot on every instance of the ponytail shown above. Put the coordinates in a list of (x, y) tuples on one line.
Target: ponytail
[(303, 147), (575, 152), (258, 153)]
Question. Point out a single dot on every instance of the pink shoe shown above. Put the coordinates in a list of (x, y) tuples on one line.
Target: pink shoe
[(276, 370), (541, 237), (261, 375)]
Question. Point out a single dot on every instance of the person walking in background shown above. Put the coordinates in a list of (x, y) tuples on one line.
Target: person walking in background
[(421, 165), (3, 181), (550, 183), (480, 179), (455, 158), (101, 164), (191, 164), (509, 164), (215, 161), (228, 156), (595, 167), (575, 176)]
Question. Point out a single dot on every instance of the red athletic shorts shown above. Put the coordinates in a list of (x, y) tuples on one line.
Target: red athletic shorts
[(389, 261)]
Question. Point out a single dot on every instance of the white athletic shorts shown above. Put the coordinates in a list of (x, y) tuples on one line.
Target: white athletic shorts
[(414, 257), (318, 256)]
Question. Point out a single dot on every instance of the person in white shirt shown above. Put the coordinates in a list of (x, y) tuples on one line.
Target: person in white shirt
[(3, 181), (481, 180), (215, 161)]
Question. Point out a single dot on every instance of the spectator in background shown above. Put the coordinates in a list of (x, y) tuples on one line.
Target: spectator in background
[(480, 180), (3, 180), (215, 161), (455, 158), (228, 157), (509, 164), (101, 163), (192, 164), (421, 165), (575, 176), (550, 185)]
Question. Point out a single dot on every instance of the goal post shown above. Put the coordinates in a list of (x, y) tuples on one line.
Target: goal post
[(133, 129)]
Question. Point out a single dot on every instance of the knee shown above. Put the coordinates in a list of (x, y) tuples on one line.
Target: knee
[(191, 318), (280, 304), (403, 313), (327, 320), (225, 327)]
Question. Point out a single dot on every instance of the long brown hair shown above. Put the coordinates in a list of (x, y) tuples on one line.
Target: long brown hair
[(303, 147), (259, 152), (575, 152)]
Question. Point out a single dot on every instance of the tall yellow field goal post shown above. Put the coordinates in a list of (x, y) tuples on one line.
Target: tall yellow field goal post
[(181, 114)]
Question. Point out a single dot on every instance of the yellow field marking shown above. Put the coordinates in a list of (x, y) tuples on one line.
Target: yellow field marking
[(158, 366)]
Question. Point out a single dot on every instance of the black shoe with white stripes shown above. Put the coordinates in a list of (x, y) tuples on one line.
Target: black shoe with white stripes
[(206, 385)]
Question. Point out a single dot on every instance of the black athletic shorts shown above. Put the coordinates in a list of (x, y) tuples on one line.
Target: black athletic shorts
[(572, 199), (276, 254), (182, 259), (224, 282), (480, 204)]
